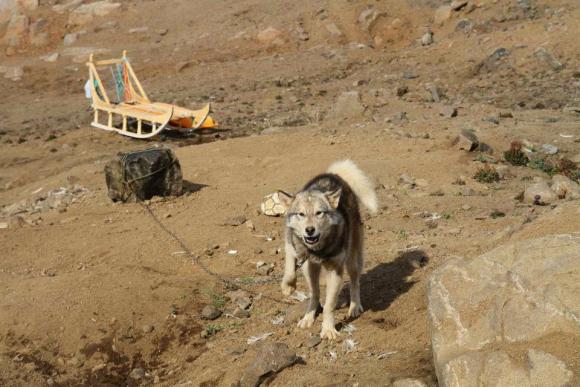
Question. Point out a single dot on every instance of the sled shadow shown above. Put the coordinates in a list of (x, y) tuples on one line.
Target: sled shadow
[(189, 187), (382, 284)]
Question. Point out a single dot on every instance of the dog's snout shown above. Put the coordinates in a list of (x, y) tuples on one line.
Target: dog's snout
[(310, 231)]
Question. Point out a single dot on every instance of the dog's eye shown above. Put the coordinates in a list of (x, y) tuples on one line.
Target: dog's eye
[(301, 214), (319, 213)]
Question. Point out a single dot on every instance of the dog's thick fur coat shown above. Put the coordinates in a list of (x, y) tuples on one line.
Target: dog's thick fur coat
[(324, 229)]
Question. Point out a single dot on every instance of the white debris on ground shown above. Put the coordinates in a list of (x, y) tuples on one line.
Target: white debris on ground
[(255, 339)]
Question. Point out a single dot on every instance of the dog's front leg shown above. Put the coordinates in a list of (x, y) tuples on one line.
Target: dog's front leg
[(289, 279), (333, 287), (312, 275)]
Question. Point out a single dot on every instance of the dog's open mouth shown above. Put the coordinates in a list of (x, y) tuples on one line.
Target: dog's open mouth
[(311, 239)]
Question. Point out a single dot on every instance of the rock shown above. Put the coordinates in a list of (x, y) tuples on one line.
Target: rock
[(162, 31), (399, 118), (368, 18), (210, 312), (235, 221), (137, 373), (3, 225), (62, 8), (565, 188), (408, 382), (70, 39), (506, 114), (549, 149), (29, 5), (241, 298), (14, 73), (85, 13), (448, 112), (456, 5), (540, 194), (466, 207), (427, 39), (270, 36), (241, 313), (16, 30), (491, 62), (313, 341), (347, 106), (148, 328), (295, 313), (547, 58), (264, 269), (155, 172), (183, 65), (138, 30), (434, 91), (106, 26), (442, 14), (401, 91), (270, 359), (517, 293), (466, 140), (333, 29), (38, 34), (406, 181), (575, 158), (464, 25)]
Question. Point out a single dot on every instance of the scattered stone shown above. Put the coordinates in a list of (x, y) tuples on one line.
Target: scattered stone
[(162, 31), (545, 56), (409, 74), (434, 91), (464, 25), (85, 13), (506, 114), (236, 221), (264, 268), (138, 30), (137, 373), (427, 39), (183, 65), (565, 188), (148, 328), (65, 7), (456, 5), (407, 181), (448, 111), (210, 312), (313, 341), (348, 106), (466, 140), (492, 119), (270, 359), (408, 382), (399, 118), (401, 91), (549, 149), (491, 62), (442, 14), (513, 295), (241, 313), (70, 39), (333, 29), (50, 58), (270, 36), (539, 194), (240, 298), (368, 18), (16, 29)]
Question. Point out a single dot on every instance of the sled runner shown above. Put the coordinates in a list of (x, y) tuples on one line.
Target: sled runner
[(132, 113)]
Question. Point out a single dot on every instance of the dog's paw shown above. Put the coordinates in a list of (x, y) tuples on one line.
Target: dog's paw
[(329, 333), (306, 322), (355, 310), (288, 288)]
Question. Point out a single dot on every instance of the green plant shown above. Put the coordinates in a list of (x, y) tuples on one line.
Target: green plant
[(542, 164), (402, 234), (447, 216), (217, 299), (212, 329), (486, 174), (515, 155)]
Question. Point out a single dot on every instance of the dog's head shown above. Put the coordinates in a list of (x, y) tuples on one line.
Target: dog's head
[(312, 216)]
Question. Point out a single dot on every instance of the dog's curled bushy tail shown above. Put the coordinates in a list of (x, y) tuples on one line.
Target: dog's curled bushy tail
[(361, 185)]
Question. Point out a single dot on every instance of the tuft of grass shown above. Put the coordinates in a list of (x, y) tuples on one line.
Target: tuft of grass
[(218, 300), (212, 329), (486, 174), (515, 155), (543, 164), (447, 216), (402, 234)]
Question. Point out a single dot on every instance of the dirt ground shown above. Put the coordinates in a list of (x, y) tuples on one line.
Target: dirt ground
[(93, 291)]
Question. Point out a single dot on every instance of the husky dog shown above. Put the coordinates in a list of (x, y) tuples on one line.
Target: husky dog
[(324, 228)]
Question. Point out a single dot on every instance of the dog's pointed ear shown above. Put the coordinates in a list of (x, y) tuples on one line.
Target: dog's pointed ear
[(285, 199), (334, 197)]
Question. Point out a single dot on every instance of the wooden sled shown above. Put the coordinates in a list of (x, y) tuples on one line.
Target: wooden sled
[(133, 114)]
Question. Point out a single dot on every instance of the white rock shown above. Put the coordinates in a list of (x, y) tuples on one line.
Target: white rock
[(565, 187), (70, 39), (85, 13), (539, 193), (50, 58), (270, 36), (427, 39)]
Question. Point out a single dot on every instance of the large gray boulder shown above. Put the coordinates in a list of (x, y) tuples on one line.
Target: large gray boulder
[(512, 303)]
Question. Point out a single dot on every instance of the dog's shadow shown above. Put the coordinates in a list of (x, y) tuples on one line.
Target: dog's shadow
[(382, 284)]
